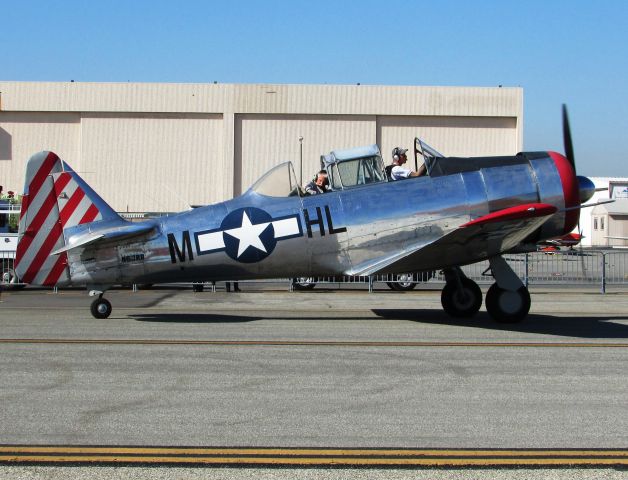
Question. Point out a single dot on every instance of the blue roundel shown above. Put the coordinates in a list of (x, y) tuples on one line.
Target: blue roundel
[(248, 234)]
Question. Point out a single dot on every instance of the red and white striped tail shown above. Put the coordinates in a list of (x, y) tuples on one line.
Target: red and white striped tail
[(55, 198)]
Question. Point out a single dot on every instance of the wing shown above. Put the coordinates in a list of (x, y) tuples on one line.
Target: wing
[(473, 241)]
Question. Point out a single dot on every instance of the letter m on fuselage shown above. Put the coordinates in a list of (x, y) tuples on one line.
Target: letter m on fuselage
[(180, 253)]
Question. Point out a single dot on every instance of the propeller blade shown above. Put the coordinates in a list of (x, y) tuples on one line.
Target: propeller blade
[(567, 139)]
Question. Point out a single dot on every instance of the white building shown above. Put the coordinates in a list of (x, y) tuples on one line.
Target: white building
[(163, 147), (615, 188), (610, 221)]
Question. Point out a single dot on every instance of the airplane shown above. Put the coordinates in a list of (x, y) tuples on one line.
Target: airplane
[(570, 240), (462, 211), (553, 245)]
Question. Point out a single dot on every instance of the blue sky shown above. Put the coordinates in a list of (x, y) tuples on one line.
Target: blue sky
[(559, 51)]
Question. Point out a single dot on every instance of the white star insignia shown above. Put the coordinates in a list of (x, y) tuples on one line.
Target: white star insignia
[(248, 234)]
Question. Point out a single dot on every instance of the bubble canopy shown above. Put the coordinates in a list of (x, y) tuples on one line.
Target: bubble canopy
[(280, 181)]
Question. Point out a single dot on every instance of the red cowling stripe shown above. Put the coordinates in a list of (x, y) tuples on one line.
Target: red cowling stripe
[(571, 190)]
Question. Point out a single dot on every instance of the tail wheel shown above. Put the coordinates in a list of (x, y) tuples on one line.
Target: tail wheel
[(461, 300), (101, 308), (505, 306)]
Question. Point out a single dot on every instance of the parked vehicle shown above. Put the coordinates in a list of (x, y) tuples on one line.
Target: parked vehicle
[(400, 282)]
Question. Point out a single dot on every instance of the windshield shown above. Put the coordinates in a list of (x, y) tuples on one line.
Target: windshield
[(278, 182), (361, 171), (428, 153)]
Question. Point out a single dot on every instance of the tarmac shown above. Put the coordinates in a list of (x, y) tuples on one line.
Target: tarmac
[(347, 370)]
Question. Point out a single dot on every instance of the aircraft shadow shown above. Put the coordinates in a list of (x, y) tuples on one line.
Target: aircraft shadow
[(193, 318), (598, 327), (601, 327)]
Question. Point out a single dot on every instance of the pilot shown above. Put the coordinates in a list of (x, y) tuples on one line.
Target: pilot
[(320, 184), (398, 170)]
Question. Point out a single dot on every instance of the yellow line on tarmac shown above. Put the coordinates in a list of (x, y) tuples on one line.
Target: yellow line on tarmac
[(309, 451), (20, 454), (329, 461)]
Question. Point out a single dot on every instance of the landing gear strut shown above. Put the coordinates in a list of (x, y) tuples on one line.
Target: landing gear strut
[(508, 299), (101, 307), (461, 297)]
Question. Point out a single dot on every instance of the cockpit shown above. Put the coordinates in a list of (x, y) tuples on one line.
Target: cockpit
[(354, 167), (280, 181), (345, 168)]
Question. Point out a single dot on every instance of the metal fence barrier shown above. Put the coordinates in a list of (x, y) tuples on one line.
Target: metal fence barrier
[(571, 267), (7, 275)]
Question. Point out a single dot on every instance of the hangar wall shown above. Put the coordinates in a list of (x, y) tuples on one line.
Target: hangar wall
[(162, 147)]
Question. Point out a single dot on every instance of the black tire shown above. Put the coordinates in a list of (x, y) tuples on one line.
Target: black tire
[(303, 283), (101, 308), (507, 307), (404, 282), (461, 304), (197, 287), (408, 281)]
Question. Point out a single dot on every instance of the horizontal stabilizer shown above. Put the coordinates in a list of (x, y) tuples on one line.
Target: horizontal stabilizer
[(117, 232)]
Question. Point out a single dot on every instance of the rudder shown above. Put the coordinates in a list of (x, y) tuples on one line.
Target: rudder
[(55, 198)]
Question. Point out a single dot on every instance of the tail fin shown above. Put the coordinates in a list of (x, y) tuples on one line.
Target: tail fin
[(55, 198)]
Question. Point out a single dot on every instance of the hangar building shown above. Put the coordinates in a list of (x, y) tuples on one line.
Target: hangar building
[(155, 147)]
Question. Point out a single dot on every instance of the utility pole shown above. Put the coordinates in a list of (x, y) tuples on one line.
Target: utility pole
[(300, 159)]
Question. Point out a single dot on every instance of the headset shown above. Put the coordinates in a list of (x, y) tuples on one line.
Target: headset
[(397, 154)]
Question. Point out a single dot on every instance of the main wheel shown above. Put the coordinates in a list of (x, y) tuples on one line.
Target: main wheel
[(197, 287), (505, 306), (304, 283), (461, 302), (101, 308)]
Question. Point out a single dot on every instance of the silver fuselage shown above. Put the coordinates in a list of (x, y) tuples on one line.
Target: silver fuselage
[(329, 234)]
